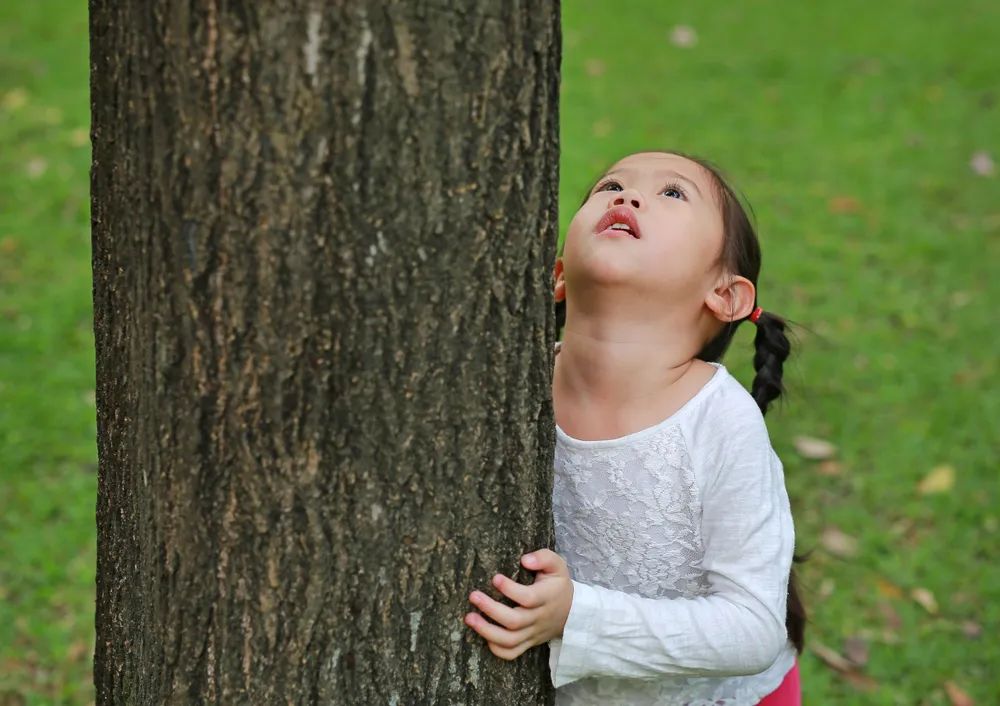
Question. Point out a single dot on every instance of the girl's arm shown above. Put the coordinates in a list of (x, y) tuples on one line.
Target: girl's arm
[(748, 539)]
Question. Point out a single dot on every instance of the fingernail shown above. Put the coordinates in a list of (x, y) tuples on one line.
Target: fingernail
[(497, 580)]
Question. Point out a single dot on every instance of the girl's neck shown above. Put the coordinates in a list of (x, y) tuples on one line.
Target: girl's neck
[(621, 365)]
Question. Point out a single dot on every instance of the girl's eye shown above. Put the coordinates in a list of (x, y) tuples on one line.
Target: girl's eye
[(606, 185), (674, 191)]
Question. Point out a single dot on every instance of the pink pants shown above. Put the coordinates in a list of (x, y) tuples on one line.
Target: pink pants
[(788, 693)]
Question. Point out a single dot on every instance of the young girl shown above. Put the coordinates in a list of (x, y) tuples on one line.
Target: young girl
[(673, 527)]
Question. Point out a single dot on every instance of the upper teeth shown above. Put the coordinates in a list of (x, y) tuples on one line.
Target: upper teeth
[(620, 226)]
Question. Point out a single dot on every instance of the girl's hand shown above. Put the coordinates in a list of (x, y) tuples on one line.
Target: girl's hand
[(541, 615)]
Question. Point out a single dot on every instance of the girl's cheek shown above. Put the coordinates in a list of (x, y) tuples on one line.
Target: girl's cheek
[(574, 228)]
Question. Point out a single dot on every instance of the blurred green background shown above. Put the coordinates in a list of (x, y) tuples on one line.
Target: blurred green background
[(864, 134)]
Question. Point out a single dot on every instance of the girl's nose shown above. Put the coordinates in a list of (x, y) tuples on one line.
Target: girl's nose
[(628, 196)]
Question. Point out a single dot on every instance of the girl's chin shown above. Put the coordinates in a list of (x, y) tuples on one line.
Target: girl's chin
[(619, 278)]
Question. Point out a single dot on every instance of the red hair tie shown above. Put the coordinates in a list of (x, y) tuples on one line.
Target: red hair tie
[(756, 314)]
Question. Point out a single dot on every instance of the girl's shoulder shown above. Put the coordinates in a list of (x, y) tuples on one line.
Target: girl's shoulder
[(722, 392), (723, 409), (726, 436)]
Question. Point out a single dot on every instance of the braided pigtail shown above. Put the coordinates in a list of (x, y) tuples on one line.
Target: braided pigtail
[(771, 348)]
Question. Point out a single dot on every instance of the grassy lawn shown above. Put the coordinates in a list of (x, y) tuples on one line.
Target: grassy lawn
[(852, 128)]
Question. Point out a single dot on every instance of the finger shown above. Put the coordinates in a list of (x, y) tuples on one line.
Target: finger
[(495, 633), (543, 560), (518, 592), (509, 653), (549, 562), (511, 618)]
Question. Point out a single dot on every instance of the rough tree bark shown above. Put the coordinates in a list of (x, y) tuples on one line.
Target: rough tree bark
[(323, 239)]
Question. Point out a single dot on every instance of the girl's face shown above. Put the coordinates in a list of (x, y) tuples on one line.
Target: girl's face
[(674, 256)]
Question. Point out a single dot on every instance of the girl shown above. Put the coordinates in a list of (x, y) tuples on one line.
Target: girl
[(675, 536)]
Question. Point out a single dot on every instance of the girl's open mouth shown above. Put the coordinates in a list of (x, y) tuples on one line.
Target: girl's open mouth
[(619, 220)]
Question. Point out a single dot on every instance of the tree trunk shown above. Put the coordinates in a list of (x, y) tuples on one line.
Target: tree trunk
[(323, 241)]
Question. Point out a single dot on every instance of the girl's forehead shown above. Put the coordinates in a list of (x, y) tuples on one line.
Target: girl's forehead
[(654, 161)]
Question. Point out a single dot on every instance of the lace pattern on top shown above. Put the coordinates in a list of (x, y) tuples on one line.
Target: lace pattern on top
[(628, 519)]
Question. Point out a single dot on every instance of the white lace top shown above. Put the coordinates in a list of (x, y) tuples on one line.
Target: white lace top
[(679, 541)]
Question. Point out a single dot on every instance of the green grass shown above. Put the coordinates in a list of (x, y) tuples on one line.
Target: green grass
[(47, 427), (849, 127)]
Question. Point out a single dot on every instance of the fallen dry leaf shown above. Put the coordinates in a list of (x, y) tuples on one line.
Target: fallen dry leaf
[(842, 665), (843, 204), (36, 167), (831, 657), (860, 681), (960, 298), (982, 164), (77, 651), (957, 696), (941, 479), (52, 115), (839, 543), (967, 376), (683, 36), (856, 650), (14, 99), (888, 589), (594, 67), (971, 629), (601, 128), (813, 449), (829, 467), (890, 637), (890, 615), (926, 600), (901, 527)]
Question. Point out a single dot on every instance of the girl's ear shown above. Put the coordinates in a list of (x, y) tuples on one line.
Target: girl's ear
[(560, 286), (732, 299)]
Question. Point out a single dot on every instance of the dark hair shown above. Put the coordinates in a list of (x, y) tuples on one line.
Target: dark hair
[(741, 255)]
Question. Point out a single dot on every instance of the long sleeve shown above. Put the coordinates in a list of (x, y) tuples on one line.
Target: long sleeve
[(748, 537)]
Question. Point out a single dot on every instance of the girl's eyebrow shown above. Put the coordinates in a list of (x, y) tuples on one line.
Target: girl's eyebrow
[(664, 172)]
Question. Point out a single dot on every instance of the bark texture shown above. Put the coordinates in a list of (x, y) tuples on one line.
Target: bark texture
[(323, 240)]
